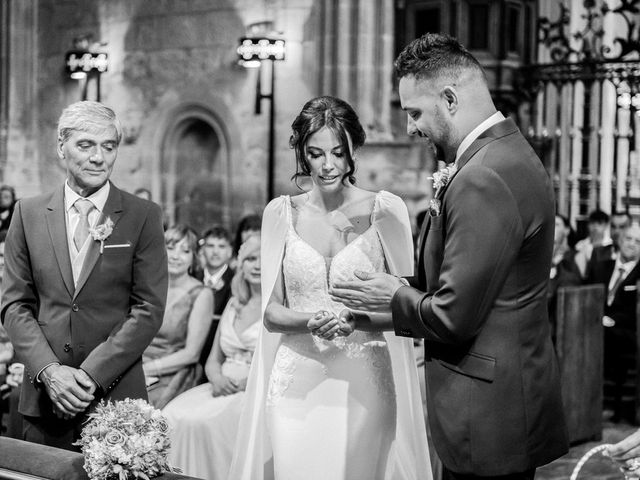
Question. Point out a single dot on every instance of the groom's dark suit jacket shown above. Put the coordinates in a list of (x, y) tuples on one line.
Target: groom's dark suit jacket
[(479, 299), (104, 324)]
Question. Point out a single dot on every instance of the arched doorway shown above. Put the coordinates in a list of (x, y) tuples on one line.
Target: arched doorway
[(194, 171)]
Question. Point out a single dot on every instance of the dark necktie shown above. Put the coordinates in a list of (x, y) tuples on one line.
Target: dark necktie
[(612, 292)]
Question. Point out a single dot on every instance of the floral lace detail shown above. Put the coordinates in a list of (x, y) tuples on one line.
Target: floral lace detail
[(284, 367)]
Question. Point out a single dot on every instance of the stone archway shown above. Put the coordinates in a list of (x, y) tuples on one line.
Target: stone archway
[(194, 169)]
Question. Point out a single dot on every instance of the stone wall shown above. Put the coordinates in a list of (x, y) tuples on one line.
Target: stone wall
[(173, 63)]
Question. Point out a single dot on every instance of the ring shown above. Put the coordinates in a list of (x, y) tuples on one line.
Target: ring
[(633, 464)]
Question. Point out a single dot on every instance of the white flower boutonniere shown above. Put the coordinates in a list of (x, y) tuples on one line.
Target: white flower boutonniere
[(440, 180), (101, 232), (219, 285)]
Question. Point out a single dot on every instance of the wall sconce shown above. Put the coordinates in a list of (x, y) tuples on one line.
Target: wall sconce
[(85, 63)]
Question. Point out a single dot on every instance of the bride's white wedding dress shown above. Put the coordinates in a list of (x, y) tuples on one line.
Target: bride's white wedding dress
[(343, 409)]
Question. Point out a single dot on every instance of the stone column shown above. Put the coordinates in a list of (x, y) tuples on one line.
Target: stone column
[(356, 60), (19, 162)]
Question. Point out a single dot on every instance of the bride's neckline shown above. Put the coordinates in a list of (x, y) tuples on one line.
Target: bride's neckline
[(328, 260)]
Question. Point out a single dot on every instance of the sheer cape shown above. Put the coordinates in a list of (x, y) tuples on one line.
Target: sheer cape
[(409, 457)]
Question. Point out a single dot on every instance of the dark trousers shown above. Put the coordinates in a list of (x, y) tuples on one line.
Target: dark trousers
[(449, 475), (53, 431)]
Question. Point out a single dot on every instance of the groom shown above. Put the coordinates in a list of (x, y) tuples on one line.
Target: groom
[(479, 293), (85, 283)]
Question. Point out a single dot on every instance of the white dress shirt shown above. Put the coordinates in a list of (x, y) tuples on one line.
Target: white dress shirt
[(476, 132), (212, 280)]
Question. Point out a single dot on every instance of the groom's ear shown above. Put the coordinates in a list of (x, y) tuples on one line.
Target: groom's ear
[(450, 96)]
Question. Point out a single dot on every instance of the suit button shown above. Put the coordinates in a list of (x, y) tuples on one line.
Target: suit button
[(67, 347), (75, 307)]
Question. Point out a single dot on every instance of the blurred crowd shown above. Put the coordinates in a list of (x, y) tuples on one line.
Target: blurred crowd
[(607, 256)]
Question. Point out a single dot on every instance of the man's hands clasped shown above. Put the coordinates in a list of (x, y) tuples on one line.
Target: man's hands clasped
[(327, 326), (71, 390)]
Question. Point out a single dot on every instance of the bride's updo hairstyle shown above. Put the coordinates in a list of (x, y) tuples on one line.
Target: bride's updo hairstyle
[(338, 116)]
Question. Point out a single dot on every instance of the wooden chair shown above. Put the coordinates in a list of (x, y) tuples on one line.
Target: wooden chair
[(579, 346)]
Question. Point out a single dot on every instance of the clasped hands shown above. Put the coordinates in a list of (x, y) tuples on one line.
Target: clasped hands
[(327, 326), (71, 390)]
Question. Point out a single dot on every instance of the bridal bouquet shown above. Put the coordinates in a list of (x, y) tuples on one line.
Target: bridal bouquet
[(124, 440)]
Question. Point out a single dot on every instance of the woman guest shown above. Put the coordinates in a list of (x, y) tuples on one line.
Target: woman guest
[(204, 420), (7, 204), (171, 361), (249, 225), (329, 396)]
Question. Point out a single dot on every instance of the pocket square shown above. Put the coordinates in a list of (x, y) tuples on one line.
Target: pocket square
[(118, 245), (630, 288)]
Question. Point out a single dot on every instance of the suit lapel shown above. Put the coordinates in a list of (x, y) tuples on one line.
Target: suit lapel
[(112, 210), (57, 226), (500, 129)]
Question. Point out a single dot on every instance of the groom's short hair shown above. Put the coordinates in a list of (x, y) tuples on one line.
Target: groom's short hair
[(87, 116), (436, 55)]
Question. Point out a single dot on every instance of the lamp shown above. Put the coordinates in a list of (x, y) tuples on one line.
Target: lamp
[(85, 63), (253, 50)]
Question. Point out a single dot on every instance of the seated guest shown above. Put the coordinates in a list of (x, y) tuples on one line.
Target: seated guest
[(564, 272), (620, 221), (249, 225), (216, 251), (204, 420), (598, 225), (6, 349), (7, 204), (170, 362), (620, 277)]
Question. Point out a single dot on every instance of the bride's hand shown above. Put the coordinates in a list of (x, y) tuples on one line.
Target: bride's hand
[(324, 325), (347, 323)]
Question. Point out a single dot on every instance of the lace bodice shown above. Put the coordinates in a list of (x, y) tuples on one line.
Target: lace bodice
[(307, 277)]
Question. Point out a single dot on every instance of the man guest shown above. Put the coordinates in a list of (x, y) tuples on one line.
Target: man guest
[(479, 295), (85, 283), (217, 274)]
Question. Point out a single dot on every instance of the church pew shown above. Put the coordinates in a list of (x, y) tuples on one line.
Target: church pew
[(579, 347)]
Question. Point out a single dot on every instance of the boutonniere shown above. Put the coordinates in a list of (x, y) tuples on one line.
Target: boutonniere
[(440, 180), (101, 232), (219, 285)]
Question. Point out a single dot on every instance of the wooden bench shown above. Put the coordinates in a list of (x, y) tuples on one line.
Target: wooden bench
[(579, 346), (21, 460)]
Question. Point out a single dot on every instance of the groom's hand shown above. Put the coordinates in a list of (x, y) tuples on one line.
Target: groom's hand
[(372, 292)]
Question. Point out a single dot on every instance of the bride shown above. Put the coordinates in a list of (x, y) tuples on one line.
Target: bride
[(330, 395)]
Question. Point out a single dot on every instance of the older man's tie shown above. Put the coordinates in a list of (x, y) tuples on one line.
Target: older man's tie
[(83, 207)]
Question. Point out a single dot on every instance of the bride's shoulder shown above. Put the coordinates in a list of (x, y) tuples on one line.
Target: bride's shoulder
[(276, 205)]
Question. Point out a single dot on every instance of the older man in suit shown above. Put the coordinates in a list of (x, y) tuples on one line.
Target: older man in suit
[(479, 295), (85, 283)]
